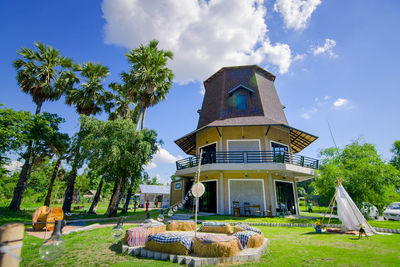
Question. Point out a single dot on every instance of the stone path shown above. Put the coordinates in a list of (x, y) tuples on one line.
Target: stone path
[(250, 254)]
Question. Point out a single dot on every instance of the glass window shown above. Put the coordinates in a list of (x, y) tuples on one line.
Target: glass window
[(241, 102), (178, 186), (278, 147)]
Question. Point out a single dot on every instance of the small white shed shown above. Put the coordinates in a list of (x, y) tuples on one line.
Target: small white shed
[(152, 193)]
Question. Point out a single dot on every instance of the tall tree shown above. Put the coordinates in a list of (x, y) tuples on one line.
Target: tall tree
[(395, 161), (59, 147), (123, 104), (89, 98), (118, 150), (45, 128), (149, 79), (40, 73), (364, 174)]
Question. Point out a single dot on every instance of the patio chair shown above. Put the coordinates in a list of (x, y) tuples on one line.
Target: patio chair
[(236, 209), (247, 208), (257, 210)]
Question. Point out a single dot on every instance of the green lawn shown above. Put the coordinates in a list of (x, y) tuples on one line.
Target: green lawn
[(289, 247)]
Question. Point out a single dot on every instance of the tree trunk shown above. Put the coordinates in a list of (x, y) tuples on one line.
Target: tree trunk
[(69, 192), (53, 178), (115, 198), (22, 181), (24, 175), (140, 118), (143, 118), (96, 198), (128, 198)]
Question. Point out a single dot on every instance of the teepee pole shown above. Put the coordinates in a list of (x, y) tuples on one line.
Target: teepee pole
[(197, 191), (330, 203)]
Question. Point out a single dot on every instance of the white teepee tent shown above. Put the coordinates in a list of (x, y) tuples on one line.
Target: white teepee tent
[(349, 214)]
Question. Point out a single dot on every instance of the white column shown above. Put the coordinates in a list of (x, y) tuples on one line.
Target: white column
[(221, 194), (296, 198), (272, 194)]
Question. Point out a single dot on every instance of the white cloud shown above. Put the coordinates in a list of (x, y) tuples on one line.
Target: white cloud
[(204, 35), (327, 48), (296, 13), (342, 103), (202, 91), (327, 97), (299, 57), (161, 157), (14, 165), (305, 116)]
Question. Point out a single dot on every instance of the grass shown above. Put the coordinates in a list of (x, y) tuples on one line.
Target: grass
[(288, 247)]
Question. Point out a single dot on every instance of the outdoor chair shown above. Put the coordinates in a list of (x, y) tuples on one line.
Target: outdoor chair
[(236, 209), (247, 208), (257, 210)]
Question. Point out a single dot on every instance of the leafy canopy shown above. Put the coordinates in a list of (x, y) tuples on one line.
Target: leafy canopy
[(366, 177)]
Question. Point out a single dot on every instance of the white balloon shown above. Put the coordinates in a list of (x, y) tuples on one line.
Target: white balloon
[(198, 189)]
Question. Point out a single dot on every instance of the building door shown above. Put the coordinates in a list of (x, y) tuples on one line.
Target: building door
[(280, 152), (208, 201), (285, 196), (209, 155)]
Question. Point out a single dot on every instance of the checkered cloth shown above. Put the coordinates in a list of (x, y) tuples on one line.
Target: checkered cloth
[(244, 238), (152, 224), (208, 239), (247, 227), (136, 236), (171, 238)]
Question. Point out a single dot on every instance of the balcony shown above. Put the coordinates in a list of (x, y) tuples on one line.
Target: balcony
[(248, 157)]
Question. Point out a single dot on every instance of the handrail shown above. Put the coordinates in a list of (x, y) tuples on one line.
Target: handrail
[(248, 157)]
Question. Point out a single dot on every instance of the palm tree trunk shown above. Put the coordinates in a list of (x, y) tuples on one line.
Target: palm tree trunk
[(69, 192), (143, 118), (93, 207), (53, 178), (139, 118), (24, 175)]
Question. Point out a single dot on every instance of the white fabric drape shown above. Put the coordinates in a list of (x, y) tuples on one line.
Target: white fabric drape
[(349, 214)]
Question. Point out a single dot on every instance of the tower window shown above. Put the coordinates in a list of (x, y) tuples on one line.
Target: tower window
[(241, 102)]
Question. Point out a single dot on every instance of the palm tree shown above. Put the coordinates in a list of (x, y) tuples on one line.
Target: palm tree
[(39, 73), (89, 98), (123, 104), (149, 78)]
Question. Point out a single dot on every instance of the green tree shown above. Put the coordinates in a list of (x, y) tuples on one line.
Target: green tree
[(118, 150), (41, 74), (89, 98), (173, 177), (395, 161), (149, 79), (14, 131), (123, 103), (45, 128), (364, 174)]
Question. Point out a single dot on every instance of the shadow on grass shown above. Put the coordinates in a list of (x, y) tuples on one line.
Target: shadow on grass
[(116, 247)]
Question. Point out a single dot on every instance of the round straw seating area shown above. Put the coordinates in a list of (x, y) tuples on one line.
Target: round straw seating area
[(182, 241)]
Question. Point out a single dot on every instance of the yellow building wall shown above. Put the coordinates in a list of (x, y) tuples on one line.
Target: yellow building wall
[(176, 194), (210, 135)]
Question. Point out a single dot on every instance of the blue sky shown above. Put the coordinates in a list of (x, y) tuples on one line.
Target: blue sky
[(335, 61)]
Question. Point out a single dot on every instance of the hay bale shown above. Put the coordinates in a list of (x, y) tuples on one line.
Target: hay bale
[(245, 227), (156, 229), (40, 215), (216, 227), (256, 241), (250, 239), (169, 243), (173, 248), (216, 246), (181, 226)]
